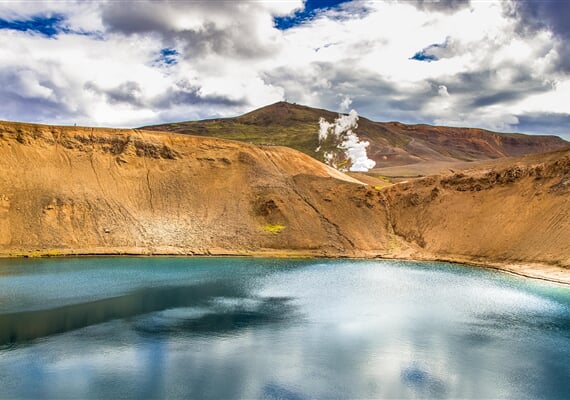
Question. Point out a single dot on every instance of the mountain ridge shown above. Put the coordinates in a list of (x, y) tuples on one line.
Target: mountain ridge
[(391, 143)]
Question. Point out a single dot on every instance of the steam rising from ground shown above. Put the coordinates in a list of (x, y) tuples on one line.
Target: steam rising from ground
[(342, 148)]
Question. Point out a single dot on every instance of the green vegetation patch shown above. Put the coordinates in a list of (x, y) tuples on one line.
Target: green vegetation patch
[(274, 228), (37, 253)]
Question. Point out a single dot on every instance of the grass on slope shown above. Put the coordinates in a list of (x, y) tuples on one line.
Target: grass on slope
[(281, 124), (391, 143), (301, 136)]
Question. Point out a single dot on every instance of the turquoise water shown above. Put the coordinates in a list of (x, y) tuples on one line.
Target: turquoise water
[(278, 329)]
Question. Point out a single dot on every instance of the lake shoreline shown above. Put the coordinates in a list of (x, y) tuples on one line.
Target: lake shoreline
[(533, 270)]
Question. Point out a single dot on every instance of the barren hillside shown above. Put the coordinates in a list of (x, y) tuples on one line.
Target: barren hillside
[(515, 212), (391, 143), (80, 190), (67, 190)]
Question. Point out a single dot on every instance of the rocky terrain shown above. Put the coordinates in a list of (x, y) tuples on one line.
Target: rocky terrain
[(423, 149), (72, 190), (513, 213)]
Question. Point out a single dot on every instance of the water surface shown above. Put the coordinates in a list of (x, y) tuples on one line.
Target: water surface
[(278, 329)]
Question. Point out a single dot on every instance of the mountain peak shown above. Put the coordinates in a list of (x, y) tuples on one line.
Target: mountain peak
[(392, 144), (285, 113)]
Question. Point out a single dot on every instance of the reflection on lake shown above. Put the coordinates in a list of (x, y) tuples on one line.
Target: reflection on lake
[(277, 329)]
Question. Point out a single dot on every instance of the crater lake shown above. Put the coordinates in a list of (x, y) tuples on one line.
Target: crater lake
[(224, 328)]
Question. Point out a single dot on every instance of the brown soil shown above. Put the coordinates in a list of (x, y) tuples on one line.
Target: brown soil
[(68, 190), (512, 213)]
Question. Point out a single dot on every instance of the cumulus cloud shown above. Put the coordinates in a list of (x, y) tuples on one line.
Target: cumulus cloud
[(550, 16), (108, 63), (125, 74), (241, 29), (128, 92), (445, 6)]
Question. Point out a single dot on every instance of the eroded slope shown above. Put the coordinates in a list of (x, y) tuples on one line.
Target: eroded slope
[(66, 190), (80, 190), (514, 212)]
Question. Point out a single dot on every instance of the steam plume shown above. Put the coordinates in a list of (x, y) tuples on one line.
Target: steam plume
[(345, 103), (342, 148)]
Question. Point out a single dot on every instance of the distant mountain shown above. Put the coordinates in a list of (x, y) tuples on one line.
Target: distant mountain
[(391, 143)]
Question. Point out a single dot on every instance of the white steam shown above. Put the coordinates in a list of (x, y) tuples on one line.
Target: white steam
[(324, 129), (345, 103), (347, 150), (356, 152)]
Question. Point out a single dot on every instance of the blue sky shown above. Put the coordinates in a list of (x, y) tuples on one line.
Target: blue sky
[(47, 25), (501, 65), (310, 10)]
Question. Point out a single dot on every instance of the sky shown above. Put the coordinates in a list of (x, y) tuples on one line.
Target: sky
[(500, 65)]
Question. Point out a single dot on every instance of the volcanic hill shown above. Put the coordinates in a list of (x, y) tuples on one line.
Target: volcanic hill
[(73, 190), (392, 144)]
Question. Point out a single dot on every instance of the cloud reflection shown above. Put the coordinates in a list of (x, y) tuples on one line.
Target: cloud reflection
[(323, 330)]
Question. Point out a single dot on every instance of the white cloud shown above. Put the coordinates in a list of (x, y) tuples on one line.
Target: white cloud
[(232, 59), (492, 119), (555, 101)]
